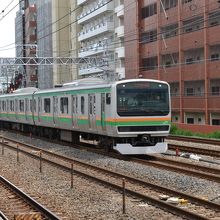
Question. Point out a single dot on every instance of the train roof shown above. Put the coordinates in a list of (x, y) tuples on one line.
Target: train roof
[(88, 83)]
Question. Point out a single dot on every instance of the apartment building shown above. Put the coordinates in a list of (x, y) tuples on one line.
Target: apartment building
[(101, 34), (177, 41), (30, 43)]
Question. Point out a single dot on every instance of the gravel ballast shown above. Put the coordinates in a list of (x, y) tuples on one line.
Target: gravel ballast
[(87, 200)]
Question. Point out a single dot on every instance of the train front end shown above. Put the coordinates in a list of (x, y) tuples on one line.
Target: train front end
[(143, 116)]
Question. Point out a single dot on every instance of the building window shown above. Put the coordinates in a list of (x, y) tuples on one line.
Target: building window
[(189, 61), (64, 105), (149, 63), (215, 121), (82, 105), (190, 120), (193, 24), (169, 31), (149, 36), (215, 90), (149, 10), (214, 18), (47, 105), (167, 4), (186, 1), (214, 57), (189, 91)]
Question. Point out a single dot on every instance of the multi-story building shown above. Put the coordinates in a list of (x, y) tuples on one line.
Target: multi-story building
[(44, 42), (177, 41), (102, 35), (31, 42)]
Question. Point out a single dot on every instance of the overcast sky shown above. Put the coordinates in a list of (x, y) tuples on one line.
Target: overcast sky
[(7, 27)]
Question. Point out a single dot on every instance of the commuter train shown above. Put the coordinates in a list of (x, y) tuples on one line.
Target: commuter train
[(131, 116)]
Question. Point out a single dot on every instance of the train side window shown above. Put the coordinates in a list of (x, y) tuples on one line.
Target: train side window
[(12, 105), (47, 104), (64, 105), (3, 106), (108, 98), (21, 105), (31, 105), (35, 105), (82, 105), (16, 105)]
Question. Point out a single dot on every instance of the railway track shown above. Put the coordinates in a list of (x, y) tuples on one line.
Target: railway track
[(195, 209), (194, 139), (198, 150), (200, 171), (212, 174), (15, 204)]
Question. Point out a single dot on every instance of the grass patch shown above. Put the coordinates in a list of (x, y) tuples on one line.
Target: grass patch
[(181, 132)]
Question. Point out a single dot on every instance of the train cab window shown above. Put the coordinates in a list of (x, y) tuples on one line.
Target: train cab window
[(21, 105), (47, 104), (108, 98), (82, 105), (64, 105)]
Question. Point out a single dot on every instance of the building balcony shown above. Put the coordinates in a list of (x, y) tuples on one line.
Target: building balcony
[(31, 39), (193, 39), (30, 24), (120, 52), (96, 30), (190, 71), (30, 10), (80, 2), (192, 8), (149, 49), (120, 10), (100, 8), (175, 103), (213, 69), (94, 50), (120, 31), (213, 35), (90, 70), (194, 103), (30, 52), (121, 72), (214, 103), (170, 74), (169, 45)]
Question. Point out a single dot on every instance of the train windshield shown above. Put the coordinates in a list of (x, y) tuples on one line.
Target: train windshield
[(142, 99)]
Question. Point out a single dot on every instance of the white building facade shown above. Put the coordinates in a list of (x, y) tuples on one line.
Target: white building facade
[(101, 34)]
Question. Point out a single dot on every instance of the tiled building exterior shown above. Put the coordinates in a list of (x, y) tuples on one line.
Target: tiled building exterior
[(177, 41)]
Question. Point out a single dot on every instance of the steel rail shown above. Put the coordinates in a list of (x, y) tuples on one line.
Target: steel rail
[(47, 213), (208, 152), (155, 187), (194, 139)]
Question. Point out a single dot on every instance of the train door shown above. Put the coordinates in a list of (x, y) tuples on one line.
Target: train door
[(39, 108), (74, 111), (103, 123), (26, 109), (55, 109), (16, 108), (92, 111)]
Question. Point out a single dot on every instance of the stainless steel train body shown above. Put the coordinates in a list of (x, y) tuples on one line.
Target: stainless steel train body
[(131, 116)]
